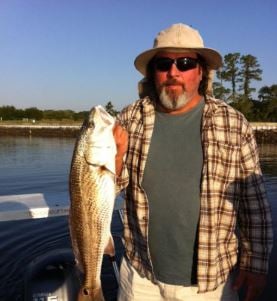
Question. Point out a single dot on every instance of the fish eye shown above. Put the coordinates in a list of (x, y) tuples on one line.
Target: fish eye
[(91, 124)]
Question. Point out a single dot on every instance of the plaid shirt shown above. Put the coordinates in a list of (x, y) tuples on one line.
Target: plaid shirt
[(234, 217)]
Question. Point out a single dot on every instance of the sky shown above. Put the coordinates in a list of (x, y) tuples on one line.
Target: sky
[(75, 54)]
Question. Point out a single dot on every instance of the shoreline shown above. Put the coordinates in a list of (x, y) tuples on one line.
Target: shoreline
[(69, 131), (265, 132)]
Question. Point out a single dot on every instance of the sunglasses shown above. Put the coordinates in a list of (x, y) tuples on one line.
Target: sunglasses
[(164, 64)]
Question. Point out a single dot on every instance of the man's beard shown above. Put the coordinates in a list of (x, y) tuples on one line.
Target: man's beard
[(173, 102)]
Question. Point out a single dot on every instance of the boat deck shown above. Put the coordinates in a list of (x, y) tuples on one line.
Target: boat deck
[(32, 227)]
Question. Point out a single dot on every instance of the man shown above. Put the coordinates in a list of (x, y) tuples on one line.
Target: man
[(197, 224)]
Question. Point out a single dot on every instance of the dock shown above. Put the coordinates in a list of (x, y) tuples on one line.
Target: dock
[(264, 132)]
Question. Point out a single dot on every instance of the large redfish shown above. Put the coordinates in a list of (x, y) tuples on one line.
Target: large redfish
[(92, 194)]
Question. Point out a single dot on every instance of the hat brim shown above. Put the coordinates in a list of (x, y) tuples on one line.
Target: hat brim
[(211, 56)]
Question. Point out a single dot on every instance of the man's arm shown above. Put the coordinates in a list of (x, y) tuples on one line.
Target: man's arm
[(121, 140), (254, 221)]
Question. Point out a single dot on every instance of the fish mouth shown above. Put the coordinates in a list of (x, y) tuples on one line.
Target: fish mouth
[(101, 113)]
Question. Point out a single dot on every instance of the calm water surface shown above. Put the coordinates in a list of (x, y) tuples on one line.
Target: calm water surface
[(35, 165)]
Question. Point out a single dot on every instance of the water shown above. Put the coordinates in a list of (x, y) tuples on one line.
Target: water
[(35, 165), (41, 165)]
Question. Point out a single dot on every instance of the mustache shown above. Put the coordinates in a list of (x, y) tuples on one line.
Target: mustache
[(172, 82)]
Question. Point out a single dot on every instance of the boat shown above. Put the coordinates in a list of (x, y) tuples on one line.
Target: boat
[(44, 268)]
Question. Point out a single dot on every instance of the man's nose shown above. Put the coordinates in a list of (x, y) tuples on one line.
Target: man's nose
[(173, 71)]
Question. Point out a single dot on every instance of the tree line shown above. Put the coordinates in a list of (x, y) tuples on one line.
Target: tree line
[(33, 113), (234, 85)]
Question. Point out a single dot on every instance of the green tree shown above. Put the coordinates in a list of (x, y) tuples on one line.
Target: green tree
[(110, 109), (249, 71), (271, 113), (80, 115), (268, 93), (67, 114), (58, 114), (8, 113), (230, 71), (19, 114), (245, 106), (33, 113), (220, 91), (268, 103)]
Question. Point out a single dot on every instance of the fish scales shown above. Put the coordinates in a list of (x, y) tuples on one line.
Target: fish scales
[(92, 193), (91, 213)]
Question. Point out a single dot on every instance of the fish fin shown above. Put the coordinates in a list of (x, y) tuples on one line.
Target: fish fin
[(110, 249), (110, 165)]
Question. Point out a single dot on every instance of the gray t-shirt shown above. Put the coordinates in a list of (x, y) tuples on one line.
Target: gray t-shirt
[(172, 184)]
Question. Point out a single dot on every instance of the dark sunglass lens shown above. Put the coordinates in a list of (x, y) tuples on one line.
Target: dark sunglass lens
[(163, 64), (186, 63)]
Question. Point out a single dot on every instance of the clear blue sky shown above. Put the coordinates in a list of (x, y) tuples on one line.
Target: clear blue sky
[(74, 54)]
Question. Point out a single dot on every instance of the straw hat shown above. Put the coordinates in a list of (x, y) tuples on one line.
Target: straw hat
[(179, 38)]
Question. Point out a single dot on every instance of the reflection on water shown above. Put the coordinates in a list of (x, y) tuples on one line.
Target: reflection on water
[(268, 150), (35, 165), (268, 156)]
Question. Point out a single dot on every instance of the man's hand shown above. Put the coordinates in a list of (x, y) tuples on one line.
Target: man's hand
[(121, 141), (253, 284)]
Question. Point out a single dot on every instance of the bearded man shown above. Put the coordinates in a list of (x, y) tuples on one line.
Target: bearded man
[(197, 224)]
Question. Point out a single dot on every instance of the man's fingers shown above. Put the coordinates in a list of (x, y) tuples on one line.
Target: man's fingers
[(121, 139)]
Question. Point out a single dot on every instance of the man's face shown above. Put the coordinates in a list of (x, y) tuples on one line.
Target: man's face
[(175, 87)]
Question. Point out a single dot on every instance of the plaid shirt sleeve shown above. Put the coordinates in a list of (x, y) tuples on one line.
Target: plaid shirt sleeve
[(254, 219)]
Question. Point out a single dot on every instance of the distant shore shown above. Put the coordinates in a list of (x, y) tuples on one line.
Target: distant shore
[(70, 131), (265, 132)]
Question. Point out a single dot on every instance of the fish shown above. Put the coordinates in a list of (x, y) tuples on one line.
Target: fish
[(92, 196)]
